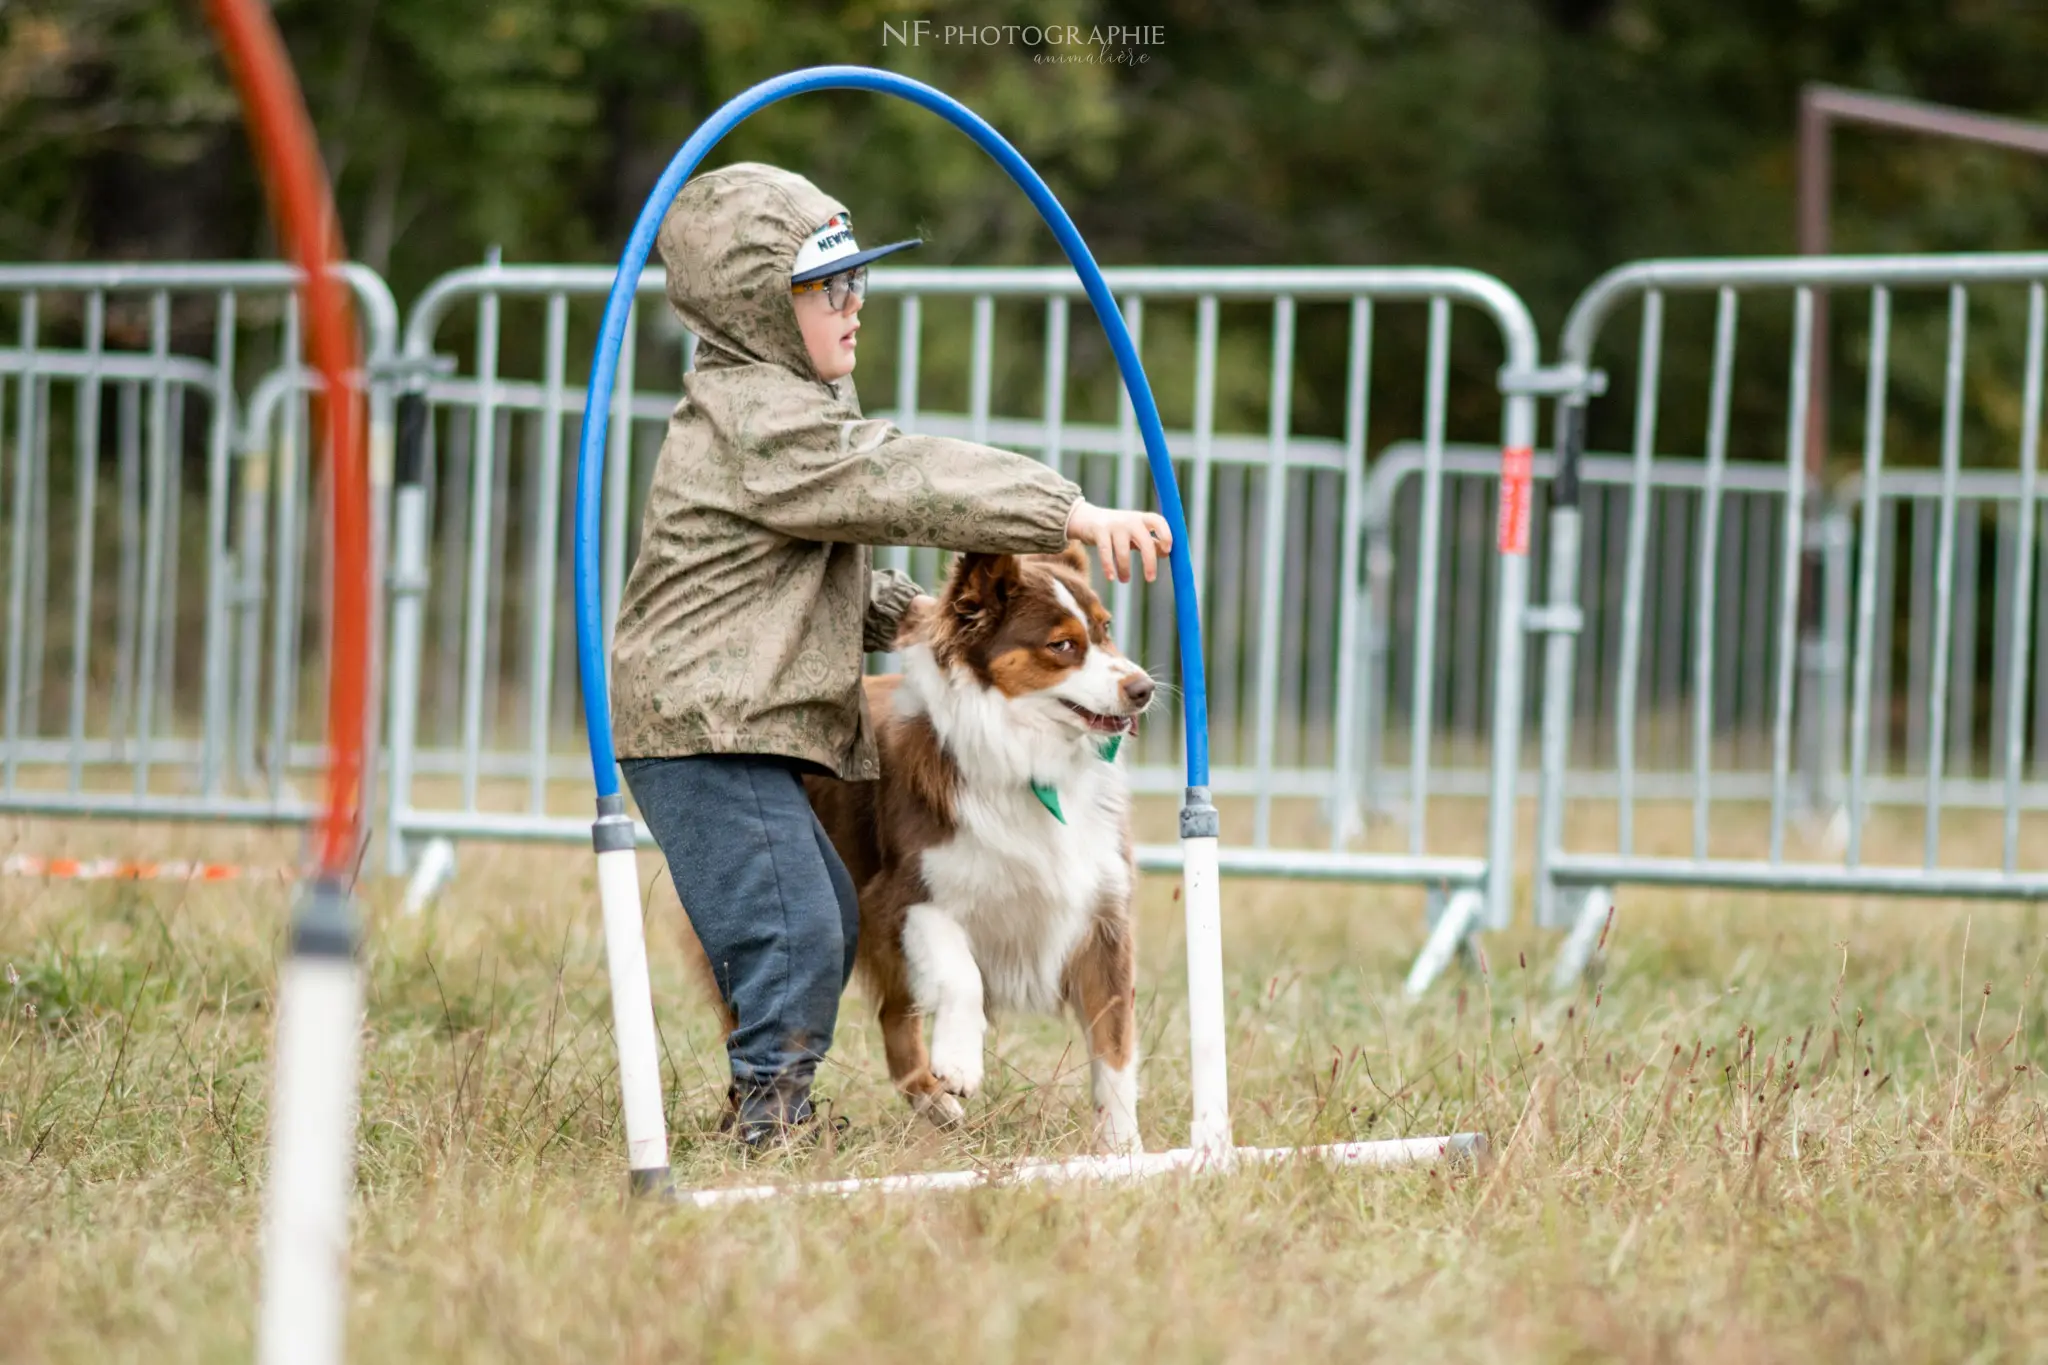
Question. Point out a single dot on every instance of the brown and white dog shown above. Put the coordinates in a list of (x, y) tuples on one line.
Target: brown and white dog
[(974, 894)]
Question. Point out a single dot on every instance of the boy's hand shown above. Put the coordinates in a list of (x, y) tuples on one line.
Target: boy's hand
[(1114, 534), (916, 616)]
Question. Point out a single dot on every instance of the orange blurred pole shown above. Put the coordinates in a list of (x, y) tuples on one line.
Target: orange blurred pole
[(303, 1305), (304, 211)]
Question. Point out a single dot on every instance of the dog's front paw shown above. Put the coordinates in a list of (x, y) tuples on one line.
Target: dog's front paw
[(940, 1108), (956, 1058)]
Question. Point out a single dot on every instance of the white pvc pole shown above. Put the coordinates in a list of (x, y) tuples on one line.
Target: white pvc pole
[(1208, 1065), (625, 955), (312, 1141)]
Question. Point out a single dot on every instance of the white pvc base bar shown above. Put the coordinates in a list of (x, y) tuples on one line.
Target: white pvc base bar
[(1397, 1152), (312, 1146)]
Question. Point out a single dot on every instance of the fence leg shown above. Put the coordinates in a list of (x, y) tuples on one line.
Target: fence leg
[(1460, 916), (1560, 621), (408, 588), (1589, 933)]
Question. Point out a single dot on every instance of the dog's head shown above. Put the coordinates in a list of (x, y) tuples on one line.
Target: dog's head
[(1032, 628)]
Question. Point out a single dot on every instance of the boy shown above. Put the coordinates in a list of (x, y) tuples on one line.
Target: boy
[(737, 660)]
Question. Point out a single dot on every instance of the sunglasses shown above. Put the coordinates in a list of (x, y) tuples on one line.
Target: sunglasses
[(846, 285)]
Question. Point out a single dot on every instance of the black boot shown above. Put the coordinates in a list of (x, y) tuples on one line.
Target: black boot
[(763, 1113)]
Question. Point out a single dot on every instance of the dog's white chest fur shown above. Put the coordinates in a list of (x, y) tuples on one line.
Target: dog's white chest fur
[(1025, 887), (1021, 886)]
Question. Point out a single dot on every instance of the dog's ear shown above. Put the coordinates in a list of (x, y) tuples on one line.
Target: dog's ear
[(982, 585), (1075, 558)]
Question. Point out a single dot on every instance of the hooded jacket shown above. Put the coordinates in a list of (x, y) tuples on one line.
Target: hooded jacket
[(751, 603)]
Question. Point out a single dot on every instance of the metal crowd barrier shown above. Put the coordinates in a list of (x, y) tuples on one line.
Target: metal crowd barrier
[(1365, 629), (133, 565), (1576, 887), (482, 698), (1459, 762)]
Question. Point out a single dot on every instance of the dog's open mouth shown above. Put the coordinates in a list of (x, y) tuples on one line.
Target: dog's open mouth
[(1101, 724)]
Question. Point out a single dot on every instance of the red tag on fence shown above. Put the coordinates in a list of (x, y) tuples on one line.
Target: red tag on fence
[(1517, 464)]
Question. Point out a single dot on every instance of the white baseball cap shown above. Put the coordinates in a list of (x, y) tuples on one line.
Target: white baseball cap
[(832, 249)]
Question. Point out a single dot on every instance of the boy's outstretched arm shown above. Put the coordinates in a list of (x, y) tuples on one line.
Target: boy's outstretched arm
[(864, 481)]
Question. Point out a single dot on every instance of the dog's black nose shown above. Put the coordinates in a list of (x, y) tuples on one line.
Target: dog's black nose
[(1138, 690)]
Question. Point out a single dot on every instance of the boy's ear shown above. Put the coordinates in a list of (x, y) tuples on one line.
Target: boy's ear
[(981, 585)]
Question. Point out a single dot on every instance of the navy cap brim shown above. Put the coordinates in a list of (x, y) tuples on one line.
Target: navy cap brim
[(858, 258)]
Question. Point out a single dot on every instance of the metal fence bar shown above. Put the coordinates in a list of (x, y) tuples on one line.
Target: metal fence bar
[(38, 559), (541, 567), (251, 550), (1944, 566), (2023, 573), (1722, 386), (1280, 416), (174, 557), (1347, 802), (1866, 572), (1424, 687), (1055, 393), (220, 454), (483, 463), (285, 537), (1204, 436), (128, 443), (284, 618), (86, 455), (1788, 606), (155, 511), (18, 534), (1648, 362), (981, 364)]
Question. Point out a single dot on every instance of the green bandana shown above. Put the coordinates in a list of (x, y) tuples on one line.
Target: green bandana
[(1049, 796)]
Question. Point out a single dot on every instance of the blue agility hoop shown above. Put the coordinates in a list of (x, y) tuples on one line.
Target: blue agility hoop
[(590, 650), (613, 835)]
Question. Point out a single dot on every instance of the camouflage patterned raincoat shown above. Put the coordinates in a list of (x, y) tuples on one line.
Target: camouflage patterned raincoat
[(744, 622)]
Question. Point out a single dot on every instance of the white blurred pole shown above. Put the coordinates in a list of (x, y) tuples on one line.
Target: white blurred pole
[(312, 1138), (625, 955)]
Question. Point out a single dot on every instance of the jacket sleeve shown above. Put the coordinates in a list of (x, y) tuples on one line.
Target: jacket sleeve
[(889, 595), (863, 481)]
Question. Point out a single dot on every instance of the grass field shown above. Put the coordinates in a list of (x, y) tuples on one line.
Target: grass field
[(1794, 1131)]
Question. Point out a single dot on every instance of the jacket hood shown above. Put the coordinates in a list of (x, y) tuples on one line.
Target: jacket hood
[(729, 243)]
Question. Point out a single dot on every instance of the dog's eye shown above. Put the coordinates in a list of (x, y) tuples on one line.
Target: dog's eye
[(1062, 647)]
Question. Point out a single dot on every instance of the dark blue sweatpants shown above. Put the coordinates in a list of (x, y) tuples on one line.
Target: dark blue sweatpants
[(767, 895)]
